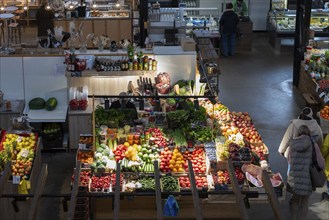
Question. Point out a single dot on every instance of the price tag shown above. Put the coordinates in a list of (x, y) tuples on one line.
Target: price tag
[(317, 88), (24, 153), (325, 99), (19, 139), (322, 94), (306, 67), (82, 146), (16, 179)]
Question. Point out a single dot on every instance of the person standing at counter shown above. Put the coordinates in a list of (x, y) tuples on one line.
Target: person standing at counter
[(228, 27), (240, 7), (44, 19)]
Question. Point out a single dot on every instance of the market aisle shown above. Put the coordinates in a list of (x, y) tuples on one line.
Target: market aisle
[(260, 82)]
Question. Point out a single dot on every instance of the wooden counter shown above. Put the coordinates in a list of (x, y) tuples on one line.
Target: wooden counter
[(115, 29), (6, 116), (308, 87), (245, 42)]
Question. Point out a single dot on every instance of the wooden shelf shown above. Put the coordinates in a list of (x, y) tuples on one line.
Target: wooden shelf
[(94, 73)]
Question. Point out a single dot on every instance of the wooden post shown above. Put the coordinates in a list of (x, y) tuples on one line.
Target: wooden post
[(117, 193), (38, 191), (237, 191), (158, 190), (94, 125), (74, 192), (272, 196), (5, 176), (195, 194)]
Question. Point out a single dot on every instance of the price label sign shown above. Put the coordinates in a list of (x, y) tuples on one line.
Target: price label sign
[(325, 99), (19, 139), (322, 94), (24, 153), (16, 179)]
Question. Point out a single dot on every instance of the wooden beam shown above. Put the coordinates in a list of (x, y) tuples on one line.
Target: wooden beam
[(272, 196), (74, 192), (5, 176), (237, 191), (117, 193), (38, 191), (158, 190), (195, 194)]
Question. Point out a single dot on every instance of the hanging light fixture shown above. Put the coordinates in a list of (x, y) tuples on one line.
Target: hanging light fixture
[(48, 6), (94, 5), (25, 7), (2, 8), (117, 4)]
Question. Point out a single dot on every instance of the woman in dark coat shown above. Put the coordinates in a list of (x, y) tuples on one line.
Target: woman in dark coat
[(299, 180), (44, 18)]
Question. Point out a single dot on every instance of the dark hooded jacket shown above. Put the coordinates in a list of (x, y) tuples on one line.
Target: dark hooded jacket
[(229, 22), (300, 158)]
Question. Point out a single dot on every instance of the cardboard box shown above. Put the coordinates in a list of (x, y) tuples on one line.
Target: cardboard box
[(188, 44)]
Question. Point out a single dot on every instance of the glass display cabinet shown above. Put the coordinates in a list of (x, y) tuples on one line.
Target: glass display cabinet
[(285, 20), (281, 24), (104, 9)]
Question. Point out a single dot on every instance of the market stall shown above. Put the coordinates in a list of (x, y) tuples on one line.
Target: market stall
[(21, 172), (177, 152), (313, 83)]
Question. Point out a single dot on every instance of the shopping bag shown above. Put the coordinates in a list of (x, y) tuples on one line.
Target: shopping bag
[(318, 177), (171, 206)]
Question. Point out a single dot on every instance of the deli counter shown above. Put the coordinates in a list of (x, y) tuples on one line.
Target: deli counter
[(281, 24)]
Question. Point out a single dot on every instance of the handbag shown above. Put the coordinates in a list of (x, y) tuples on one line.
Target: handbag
[(318, 177)]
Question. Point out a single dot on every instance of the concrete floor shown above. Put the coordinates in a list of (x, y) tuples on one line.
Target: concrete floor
[(259, 82)]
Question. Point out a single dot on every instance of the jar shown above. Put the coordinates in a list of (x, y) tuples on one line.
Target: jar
[(145, 59), (154, 64), (146, 65), (130, 65), (150, 64), (140, 66), (135, 65)]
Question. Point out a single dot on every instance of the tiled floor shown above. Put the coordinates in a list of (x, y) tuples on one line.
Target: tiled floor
[(259, 82)]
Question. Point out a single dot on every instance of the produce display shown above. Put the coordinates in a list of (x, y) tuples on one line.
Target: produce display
[(20, 150), (324, 112), (186, 135)]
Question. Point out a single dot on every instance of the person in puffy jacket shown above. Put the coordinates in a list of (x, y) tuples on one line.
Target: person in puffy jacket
[(299, 180), (305, 118), (325, 154)]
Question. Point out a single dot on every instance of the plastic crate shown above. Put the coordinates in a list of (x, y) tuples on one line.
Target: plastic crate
[(52, 140)]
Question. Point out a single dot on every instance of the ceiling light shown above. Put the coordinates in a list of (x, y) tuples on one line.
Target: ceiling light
[(117, 4)]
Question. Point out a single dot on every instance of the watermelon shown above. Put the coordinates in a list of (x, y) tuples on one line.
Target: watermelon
[(51, 104), (37, 103)]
